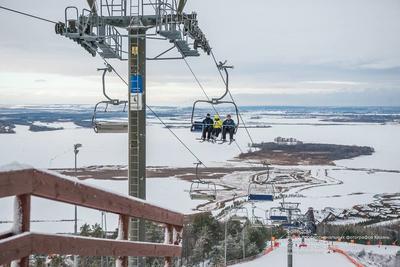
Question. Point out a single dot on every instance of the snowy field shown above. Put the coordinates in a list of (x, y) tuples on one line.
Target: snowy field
[(54, 150), (315, 254)]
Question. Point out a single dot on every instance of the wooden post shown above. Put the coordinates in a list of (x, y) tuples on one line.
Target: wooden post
[(22, 219), (168, 239), (123, 234)]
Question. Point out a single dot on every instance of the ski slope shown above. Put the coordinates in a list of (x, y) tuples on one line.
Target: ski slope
[(315, 254)]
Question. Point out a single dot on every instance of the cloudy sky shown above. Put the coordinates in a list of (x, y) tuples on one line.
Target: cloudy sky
[(285, 52)]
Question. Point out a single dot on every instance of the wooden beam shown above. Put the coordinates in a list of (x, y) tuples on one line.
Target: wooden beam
[(46, 185), (23, 220), (15, 247), (123, 234), (6, 234), (14, 183), (64, 190), (23, 245)]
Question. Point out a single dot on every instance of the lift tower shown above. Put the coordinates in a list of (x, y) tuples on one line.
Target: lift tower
[(97, 30)]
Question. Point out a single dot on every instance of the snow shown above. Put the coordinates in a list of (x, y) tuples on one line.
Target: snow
[(386, 223), (17, 225), (164, 150), (314, 255), (14, 166)]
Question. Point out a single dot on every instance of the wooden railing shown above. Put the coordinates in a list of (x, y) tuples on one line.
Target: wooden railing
[(18, 243)]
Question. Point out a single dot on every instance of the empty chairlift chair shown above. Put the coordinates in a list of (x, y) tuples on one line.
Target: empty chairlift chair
[(104, 120), (257, 221), (201, 189), (240, 214), (261, 192), (277, 215)]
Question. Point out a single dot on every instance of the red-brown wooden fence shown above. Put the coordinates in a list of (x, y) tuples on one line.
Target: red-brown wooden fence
[(19, 243)]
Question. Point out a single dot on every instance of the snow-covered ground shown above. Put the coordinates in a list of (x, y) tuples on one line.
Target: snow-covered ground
[(54, 149), (317, 254), (314, 255), (372, 255)]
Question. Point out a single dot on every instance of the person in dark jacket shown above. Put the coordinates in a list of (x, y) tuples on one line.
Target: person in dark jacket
[(228, 126), (207, 127)]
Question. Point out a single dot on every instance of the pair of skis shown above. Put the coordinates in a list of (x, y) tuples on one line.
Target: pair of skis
[(220, 142)]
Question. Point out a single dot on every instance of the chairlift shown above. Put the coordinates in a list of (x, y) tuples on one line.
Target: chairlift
[(276, 214), (261, 192), (240, 214), (294, 206), (104, 125), (256, 221), (201, 189), (196, 125)]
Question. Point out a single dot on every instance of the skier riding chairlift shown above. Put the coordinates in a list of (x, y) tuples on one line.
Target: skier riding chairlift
[(231, 128)]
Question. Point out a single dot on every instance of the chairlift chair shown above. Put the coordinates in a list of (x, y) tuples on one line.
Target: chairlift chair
[(266, 193), (256, 221), (290, 205), (201, 189), (195, 124), (102, 125), (240, 214), (276, 214)]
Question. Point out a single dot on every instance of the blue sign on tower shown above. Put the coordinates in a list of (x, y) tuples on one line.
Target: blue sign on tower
[(136, 84)]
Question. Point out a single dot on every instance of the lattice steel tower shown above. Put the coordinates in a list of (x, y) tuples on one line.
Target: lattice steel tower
[(97, 30)]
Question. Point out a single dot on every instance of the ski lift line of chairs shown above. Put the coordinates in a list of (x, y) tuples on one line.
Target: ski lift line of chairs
[(255, 194), (200, 189), (198, 125), (103, 125)]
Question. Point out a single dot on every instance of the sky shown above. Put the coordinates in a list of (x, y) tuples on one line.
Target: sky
[(284, 52)]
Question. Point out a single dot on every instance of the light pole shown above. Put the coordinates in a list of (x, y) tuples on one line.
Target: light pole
[(244, 244), (76, 151), (225, 245), (290, 242)]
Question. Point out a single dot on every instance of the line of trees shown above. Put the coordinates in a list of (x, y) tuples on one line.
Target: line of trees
[(203, 243), (204, 240)]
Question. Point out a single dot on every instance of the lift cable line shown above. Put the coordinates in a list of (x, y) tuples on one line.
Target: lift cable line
[(231, 96), (159, 118), (123, 80), (27, 14)]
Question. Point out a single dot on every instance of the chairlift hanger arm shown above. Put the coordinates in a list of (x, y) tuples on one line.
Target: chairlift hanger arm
[(224, 67), (92, 5), (181, 6)]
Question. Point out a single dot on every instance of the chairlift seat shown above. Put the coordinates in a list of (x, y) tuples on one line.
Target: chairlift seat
[(200, 196), (238, 218), (111, 127), (279, 218), (260, 197), (197, 126), (203, 190)]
